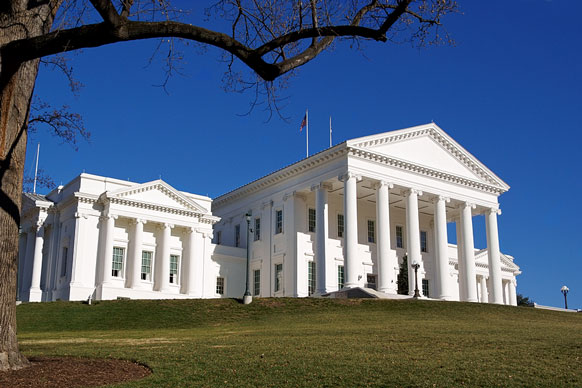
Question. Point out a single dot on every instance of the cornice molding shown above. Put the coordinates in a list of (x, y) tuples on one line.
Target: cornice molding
[(283, 173), (354, 148)]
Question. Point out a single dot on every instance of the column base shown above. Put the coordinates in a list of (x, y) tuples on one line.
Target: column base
[(351, 285), (388, 290), (247, 299), (35, 295)]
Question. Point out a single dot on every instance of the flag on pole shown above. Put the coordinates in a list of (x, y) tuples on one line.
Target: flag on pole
[(303, 123)]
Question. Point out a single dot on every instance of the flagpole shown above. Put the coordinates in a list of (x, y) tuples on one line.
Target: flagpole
[(307, 129), (329, 131), (36, 168)]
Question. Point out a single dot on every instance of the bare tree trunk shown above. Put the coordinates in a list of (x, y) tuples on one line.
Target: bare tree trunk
[(16, 87)]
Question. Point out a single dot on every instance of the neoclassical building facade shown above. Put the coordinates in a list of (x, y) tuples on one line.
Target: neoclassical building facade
[(106, 238), (345, 217)]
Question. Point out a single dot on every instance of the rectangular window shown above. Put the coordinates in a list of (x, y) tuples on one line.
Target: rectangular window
[(340, 225), (278, 277), (257, 229), (117, 263), (399, 243), (310, 277), (311, 220), (278, 221), (425, 288), (174, 259), (340, 277), (423, 243), (64, 261), (220, 285), (237, 235), (146, 265), (218, 237), (257, 282), (371, 231)]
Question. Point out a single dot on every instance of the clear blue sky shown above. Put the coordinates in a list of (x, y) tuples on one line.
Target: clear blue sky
[(509, 92)]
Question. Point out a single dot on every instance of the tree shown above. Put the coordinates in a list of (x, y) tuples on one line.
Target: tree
[(266, 42), (402, 280), (524, 301)]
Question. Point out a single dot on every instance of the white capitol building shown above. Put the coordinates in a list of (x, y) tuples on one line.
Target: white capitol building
[(340, 219)]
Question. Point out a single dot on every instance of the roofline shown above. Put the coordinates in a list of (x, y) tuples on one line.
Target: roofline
[(284, 170), (345, 146), (434, 126)]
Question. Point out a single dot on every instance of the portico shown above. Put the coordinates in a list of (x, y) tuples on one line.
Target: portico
[(361, 207)]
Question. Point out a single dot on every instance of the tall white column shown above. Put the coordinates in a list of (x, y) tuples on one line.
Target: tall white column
[(35, 292), (195, 259), (135, 255), (386, 260), (512, 293), (412, 237), (494, 256), (441, 248), (321, 236), (469, 276), (106, 247), (460, 260), (351, 266), (484, 297), (163, 275)]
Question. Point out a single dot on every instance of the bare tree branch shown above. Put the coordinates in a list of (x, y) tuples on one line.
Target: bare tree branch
[(64, 124), (107, 12)]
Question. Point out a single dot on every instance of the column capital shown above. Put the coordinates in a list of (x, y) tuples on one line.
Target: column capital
[(438, 198), (349, 174), (465, 204), (135, 221), (492, 210), (266, 204), (293, 194), (105, 217), (321, 185), (383, 183), (410, 191)]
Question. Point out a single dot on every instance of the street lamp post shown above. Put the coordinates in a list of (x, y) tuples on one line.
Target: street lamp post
[(247, 298), (565, 292), (416, 293)]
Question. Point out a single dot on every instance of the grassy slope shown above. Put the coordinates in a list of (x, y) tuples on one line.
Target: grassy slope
[(315, 342)]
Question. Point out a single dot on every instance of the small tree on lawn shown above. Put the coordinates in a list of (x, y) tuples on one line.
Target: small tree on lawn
[(402, 280), (524, 301)]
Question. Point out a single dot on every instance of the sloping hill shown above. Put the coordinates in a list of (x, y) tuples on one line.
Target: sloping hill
[(315, 342)]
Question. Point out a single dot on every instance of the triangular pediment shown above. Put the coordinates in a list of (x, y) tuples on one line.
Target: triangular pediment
[(158, 193), (429, 146), (482, 257)]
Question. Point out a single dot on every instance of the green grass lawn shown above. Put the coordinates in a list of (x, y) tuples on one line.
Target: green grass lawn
[(315, 342)]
